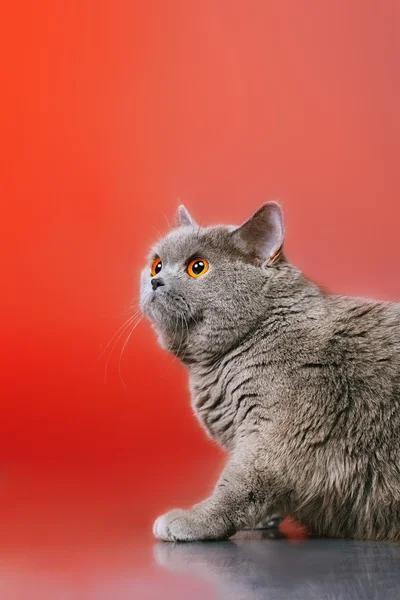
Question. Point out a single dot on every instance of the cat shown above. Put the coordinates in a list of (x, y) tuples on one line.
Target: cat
[(301, 387)]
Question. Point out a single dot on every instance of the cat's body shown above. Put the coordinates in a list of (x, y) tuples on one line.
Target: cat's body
[(301, 387)]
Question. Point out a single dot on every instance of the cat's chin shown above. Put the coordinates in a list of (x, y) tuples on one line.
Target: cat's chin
[(173, 331), (155, 313), (160, 321), (161, 335), (167, 338)]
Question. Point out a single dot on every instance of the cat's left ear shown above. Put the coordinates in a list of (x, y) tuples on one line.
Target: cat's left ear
[(183, 217), (261, 236)]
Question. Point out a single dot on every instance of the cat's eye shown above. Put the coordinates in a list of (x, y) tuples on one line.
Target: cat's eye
[(197, 267), (156, 266)]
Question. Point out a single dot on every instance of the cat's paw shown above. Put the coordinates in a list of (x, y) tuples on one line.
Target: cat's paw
[(188, 526), (162, 525)]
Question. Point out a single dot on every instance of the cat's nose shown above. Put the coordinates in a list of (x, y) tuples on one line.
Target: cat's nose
[(156, 282)]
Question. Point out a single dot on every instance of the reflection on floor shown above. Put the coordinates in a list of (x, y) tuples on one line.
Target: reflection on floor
[(88, 537), (312, 569)]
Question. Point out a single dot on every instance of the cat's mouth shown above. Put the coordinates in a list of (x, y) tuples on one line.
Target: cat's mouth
[(163, 313), (170, 314)]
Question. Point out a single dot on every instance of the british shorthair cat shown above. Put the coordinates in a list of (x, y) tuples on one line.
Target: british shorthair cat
[(301, 387)]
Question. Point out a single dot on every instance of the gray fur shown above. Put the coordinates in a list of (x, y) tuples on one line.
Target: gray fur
[(301, 387)]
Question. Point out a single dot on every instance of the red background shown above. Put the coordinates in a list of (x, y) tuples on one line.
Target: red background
[(110, 112)]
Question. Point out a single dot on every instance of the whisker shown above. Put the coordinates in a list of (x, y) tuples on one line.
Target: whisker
[(166, 218), (181, 340), (133, 306), (194, 318), (123, 313), (118, 330), (127, 324), (187, 339), (123, 348), (198, 232), (191, 315), (154, 227), (188, 309), (173, 341), (171, 347)]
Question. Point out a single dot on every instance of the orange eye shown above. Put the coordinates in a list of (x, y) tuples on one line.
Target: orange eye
[(156, 266), (197, 267)]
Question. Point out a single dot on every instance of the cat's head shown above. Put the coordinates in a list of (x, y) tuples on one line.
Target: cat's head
[(205, 287)]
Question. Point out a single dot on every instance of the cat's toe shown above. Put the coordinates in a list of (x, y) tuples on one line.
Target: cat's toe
[(162, 526), (160, 529)]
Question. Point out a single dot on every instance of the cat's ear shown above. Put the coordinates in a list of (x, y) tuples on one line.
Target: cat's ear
[(261, 236), (183, 217)]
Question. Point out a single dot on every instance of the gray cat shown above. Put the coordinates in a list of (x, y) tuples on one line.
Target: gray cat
[(301, 387)]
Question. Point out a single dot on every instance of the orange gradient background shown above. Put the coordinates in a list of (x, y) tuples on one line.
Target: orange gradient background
[(110, 112)]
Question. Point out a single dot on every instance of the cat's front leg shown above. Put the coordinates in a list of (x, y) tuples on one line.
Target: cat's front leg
[(243, 492)]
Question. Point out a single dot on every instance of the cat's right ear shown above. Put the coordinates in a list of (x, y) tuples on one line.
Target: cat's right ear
[(183, 217), (261, 236)]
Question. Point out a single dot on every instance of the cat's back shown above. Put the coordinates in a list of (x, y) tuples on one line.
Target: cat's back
[(343, 332), (354, 345), (366, 333)]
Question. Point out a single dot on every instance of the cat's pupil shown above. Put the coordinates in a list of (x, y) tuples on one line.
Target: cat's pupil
[(198, 267), (158, 267)]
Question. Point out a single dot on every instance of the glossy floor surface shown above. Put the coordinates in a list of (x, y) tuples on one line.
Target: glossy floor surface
[(279, 569), (88, 537)]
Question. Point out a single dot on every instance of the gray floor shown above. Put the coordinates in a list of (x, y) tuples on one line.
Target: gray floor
[(263, 568)]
